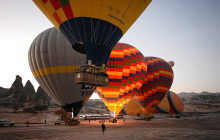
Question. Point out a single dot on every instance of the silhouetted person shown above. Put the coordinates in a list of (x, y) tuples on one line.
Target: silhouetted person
[(45, 121), (27, 123), (124, 120), (103, 128)]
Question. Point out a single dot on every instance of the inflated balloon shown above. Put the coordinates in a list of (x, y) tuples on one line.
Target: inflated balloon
[(53, 63), (176, 104), (171, 63), (93, 26), (126, 70), (133, 108), (157, 83), (163, 107)]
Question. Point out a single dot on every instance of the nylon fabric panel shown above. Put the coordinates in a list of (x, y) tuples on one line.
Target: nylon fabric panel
[(133, 108), (35, 61), (121, 13), (176, 104), (98, 37), (163, 106)]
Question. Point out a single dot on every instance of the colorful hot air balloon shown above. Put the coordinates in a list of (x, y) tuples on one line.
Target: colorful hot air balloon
[(171, 63), (126, 70), (176, 104), (157, 83), (163, 107), (133, 108), (53, 63), (93, 26)]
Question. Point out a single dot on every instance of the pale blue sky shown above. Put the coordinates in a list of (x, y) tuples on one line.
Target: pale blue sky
[(186, 31)]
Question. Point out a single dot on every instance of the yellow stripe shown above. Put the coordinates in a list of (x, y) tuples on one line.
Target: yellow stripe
[(54, 70), (61, 14)]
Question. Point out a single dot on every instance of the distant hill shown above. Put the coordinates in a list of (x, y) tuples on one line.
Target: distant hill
[(185, 94)]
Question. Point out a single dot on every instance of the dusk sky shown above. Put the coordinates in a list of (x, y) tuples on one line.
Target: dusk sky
[(186, 32)]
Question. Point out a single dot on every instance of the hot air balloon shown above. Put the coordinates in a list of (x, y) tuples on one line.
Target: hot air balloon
[(176, 104), (126, 71), (53, 63), (163, 107), (93, 26), (171, 63), (157, 83), (133, 108)]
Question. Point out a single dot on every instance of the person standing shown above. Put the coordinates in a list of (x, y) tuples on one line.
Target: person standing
[(103, 127), (27, 123), (124, 120), (45, 121)]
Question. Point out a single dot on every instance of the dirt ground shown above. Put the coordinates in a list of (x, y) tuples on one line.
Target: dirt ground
[(201, 126)]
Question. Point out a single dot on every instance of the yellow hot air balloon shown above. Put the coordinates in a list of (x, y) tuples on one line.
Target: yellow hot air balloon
[(93, 26), (133, 108), (176, 104), (163, 107)]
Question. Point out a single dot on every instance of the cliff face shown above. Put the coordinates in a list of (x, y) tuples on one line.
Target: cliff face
[(20, 94)]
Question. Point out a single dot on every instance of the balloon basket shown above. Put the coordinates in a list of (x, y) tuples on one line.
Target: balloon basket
[(91, 75)]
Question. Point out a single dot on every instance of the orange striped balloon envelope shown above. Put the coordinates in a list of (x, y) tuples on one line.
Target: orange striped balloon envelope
[(171, 63), (157, 83), (93, 27), (127, 71), (176, 104)]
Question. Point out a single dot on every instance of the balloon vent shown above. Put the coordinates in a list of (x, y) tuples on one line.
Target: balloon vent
[(91, 75)]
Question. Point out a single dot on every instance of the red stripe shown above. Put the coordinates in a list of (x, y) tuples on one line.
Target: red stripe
[(68, 12), (56, 4), (57, 18), (44, 1)]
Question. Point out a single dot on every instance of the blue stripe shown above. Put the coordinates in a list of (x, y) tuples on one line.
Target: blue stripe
[(98, 36), (169, 96)]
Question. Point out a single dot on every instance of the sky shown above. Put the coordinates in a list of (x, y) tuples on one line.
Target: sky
[(186, 32)]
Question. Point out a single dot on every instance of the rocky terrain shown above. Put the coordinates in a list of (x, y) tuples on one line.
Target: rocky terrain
[(200, 102), (25, 97)]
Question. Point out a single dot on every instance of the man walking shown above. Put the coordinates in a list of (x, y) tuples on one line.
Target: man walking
[(103, 128)]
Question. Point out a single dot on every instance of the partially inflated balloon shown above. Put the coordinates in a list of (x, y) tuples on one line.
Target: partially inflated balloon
[(163, 107), (133, 108), (93, 26), (126, 70), (157, 83), (176, 104), (53, 63)]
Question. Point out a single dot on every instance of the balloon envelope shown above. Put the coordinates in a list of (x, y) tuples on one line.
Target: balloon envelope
[(133, 108), (53, 63), (157, 83), (126, 70), (163, 107), (93, 26), (176, 104)]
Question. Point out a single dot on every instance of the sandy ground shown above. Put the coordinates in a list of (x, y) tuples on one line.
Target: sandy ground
[(207, 126)]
